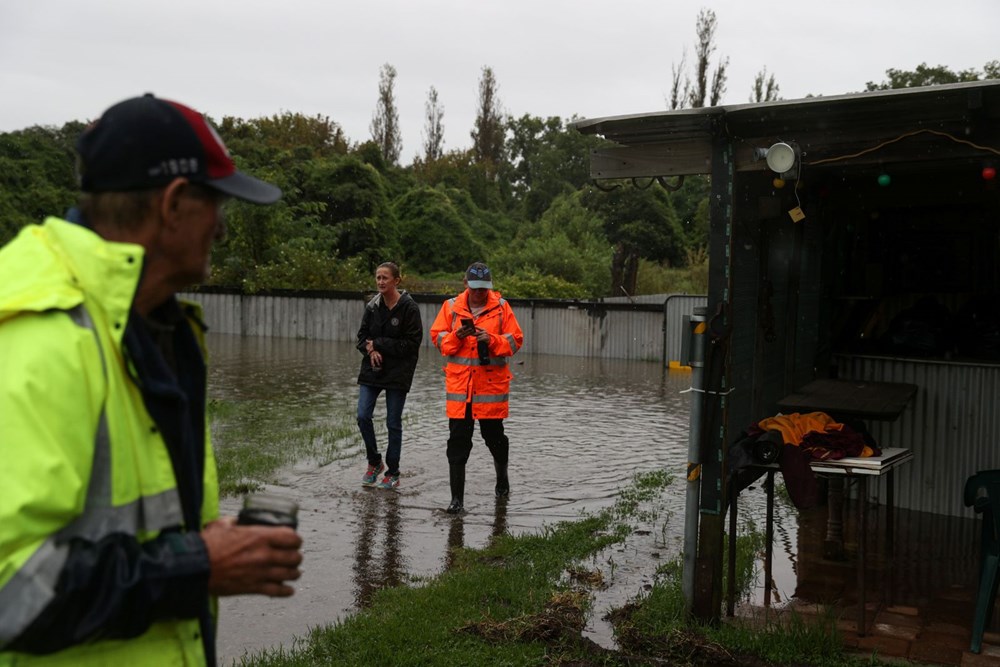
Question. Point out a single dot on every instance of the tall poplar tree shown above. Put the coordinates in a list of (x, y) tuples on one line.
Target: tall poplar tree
[(385, 122), (765, 88), (433, 127), (488, 130), (700, 91)]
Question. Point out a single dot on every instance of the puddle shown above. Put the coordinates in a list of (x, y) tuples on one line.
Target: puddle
[(580, 429)]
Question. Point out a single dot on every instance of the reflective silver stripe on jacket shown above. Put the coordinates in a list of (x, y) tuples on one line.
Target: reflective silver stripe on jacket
[(479, 398), (454, 316), (32, 587), (513, 343), (474, 361)]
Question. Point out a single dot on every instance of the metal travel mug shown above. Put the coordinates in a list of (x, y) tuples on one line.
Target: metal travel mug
[(268, 509)]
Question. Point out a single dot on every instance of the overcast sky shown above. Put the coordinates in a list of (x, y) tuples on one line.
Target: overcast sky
[(64, 60)]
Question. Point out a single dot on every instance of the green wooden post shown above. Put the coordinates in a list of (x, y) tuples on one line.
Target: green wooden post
[(708, 572)]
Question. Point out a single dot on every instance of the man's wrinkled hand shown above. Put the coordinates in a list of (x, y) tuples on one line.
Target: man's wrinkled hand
[(252, 559)]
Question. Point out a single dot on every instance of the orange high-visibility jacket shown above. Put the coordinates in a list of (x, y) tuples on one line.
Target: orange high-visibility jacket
[(487, 387)]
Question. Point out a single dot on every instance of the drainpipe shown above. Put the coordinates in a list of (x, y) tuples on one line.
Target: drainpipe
[(694, 357)]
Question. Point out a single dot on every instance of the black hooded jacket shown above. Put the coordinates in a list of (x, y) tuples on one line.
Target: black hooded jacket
[(397, 335)]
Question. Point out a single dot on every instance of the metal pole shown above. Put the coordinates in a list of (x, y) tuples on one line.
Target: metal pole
[(695, 359)]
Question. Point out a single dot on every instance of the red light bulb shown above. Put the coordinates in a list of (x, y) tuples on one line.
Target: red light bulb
[(989, 173)]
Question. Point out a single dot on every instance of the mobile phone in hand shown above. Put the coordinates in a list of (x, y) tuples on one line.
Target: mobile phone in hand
[(467, 322)]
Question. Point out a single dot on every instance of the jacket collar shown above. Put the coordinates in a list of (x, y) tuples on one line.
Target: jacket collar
[(492, 301), (52, 266)]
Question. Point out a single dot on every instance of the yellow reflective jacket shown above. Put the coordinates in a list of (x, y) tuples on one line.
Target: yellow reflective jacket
[(81, 456)]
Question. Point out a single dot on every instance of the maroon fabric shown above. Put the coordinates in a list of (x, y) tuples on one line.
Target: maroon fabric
[(800, 480), (834, 445)]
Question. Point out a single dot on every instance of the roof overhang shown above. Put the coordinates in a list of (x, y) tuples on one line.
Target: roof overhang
[(952, 121)]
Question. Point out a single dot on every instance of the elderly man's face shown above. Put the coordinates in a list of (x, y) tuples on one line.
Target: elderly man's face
[(203, 223)]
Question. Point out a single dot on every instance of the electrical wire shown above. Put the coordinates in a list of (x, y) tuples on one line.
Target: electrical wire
[(900, 138)]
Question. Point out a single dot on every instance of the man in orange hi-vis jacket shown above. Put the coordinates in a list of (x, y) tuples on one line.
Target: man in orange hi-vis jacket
[(475, 332)]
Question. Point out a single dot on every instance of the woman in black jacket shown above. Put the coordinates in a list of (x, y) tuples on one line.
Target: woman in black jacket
[(389, 341)]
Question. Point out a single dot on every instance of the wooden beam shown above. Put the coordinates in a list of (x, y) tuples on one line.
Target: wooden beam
[(693, 155), (689, 156)]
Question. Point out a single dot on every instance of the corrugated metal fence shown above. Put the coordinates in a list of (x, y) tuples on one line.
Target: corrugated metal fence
[(602, 329), (952, 426)]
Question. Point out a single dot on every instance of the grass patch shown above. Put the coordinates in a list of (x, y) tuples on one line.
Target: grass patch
[(656, 625)]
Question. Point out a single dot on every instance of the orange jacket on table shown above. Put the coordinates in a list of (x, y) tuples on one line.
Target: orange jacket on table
[(466, 380), (795, 426)]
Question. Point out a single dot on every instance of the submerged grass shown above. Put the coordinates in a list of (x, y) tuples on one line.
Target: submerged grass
[(254, 438)]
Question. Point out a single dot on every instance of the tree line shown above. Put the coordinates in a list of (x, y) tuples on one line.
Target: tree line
[(520, 198)]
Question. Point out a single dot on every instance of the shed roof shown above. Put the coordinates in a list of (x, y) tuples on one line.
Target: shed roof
[(957, 120)]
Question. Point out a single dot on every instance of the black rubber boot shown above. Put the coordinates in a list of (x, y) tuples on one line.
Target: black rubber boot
[(502, 488), (456, 474)]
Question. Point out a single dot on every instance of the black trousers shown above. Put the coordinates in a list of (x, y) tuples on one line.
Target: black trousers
[(460, 438)]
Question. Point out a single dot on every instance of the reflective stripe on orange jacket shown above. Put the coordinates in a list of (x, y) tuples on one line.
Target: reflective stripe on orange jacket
[(466, 380)]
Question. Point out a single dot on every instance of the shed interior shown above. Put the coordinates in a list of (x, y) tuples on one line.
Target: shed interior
[(889, 275)]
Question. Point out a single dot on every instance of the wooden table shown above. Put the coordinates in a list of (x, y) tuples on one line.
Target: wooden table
[(851, 398), (859, 468)]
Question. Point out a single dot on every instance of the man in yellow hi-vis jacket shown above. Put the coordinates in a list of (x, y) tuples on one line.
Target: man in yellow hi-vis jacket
[(111, 550), (476, 332)]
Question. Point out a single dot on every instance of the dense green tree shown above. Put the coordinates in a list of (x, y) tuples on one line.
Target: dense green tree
[(353, 201), (385, 121), (925, 75), (253, 235), (689, 200), (568, 243), (459, 169), (37, 175), (547, 160), (262, 139), (272, 247), (490, 227), (433, 235), (639, 223), (370, 153)]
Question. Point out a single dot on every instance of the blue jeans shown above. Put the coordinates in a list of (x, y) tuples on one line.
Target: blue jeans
[(394, 401)]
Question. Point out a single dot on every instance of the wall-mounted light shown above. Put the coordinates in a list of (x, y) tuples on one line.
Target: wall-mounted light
[(780, 158)]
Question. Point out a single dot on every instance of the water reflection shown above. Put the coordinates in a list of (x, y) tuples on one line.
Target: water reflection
[(456, 540), (377, 554), (456, 532)]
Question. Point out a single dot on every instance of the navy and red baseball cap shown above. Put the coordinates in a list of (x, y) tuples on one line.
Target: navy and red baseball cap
[(146, 142)]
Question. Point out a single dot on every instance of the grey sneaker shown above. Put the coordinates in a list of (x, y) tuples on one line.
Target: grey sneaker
[(389, 482)]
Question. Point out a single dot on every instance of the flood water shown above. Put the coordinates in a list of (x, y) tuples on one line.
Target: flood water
[(580, 429)]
